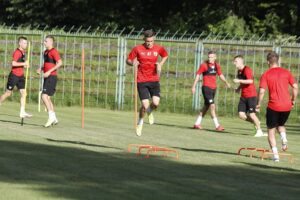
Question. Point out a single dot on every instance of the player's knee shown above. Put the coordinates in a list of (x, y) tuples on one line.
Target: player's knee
[(44, 97), (8, 93), (242, 116)]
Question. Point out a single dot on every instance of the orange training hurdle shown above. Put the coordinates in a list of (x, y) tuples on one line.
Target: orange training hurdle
[(152, 149), (265, 153)]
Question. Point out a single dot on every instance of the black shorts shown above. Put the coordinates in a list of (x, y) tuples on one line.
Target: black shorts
[(14, 80), (208, 95), (275, 118), (148, 89), (49, 85), (247, 105)]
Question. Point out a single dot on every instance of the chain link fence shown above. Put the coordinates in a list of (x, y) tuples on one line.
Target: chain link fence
[(109, 81)]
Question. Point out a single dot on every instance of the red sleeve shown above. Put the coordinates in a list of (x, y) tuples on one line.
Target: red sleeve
[(219, 71), (16, 55), (248, 74), (263, 81), (55, 55), (291, 79), (202, 68), (162, 52), (133, 54)]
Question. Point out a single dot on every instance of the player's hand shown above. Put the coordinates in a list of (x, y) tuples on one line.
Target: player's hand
[(293, 103), (46, 74), (236, 80), (158, 68), (38, 71), (193, 90), (26, 64), (257, 109), (135, 63), (228, 85)]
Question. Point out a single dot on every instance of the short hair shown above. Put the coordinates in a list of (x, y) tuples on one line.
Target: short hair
[(238, 56), (149, 33), (211, 52), (272, 58), (22, 38), (51, 37)]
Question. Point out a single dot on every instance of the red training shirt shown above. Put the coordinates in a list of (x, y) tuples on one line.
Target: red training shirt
[(209, 72), (147, 59), (248, 90), (50, 59), (18, 56), (278, 80)]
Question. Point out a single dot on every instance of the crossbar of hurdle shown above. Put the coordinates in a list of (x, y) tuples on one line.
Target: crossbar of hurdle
[(265, 153), (150, 149)]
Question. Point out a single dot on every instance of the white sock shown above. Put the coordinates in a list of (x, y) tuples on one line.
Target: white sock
[(199, 120), (216, 122), (141, 121), (22, 110), (283, 136), (275, 152), (51, 114)]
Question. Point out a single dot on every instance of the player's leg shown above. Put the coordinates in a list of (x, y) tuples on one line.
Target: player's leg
[(251, 108), (11, 83), (144, 97), (283, 117), (154, 90), (272, 123), (21, 88), (203, 110), (211, 95), (48, 91), (6, 94)]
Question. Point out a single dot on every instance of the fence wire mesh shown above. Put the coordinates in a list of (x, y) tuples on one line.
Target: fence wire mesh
[(109, 81)]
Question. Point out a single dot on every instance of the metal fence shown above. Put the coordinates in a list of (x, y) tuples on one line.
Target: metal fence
[(109, 81)]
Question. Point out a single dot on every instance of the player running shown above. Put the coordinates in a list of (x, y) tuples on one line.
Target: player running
[(280, 103), (16, 76), (52, 62), (209, 69), (248, 99), (145, 56)]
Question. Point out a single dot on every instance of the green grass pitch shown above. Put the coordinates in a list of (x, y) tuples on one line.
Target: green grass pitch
[(67, 162)]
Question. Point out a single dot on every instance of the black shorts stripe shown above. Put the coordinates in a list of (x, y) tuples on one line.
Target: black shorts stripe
[(49, 86), (147, 90), (208, 95), (247, 105), (14, 80), (275, 118)]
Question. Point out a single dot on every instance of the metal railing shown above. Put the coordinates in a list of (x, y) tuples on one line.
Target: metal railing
[(109, 81)]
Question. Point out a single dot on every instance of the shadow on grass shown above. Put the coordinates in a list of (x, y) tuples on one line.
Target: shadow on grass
[(19, 122), (205, 150), (75, 173), (81, 143), (173, 125)]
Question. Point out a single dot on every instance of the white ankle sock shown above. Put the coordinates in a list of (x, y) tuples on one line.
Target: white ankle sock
[(283, 136), (216, 122), (199, 120), (141, 122)]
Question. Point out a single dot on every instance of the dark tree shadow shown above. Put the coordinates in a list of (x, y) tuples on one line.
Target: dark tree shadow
[(19, 122), (81, 143), (57, 172)]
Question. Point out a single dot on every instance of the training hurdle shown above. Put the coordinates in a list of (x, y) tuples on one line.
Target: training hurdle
[(265, 153), (152, 149)]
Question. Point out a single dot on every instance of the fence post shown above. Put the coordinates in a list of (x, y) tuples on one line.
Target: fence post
[(198, 59), (121, 69)]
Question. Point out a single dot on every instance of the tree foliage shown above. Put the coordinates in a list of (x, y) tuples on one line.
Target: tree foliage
[(233, 17)]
